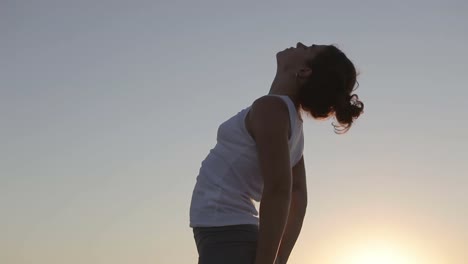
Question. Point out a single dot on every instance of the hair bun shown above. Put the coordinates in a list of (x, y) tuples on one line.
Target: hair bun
[(347, 109)]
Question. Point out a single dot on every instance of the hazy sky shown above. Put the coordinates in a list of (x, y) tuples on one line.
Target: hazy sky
[(107, 109)]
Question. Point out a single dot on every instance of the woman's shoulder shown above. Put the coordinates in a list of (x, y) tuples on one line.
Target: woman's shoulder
[(270, 103), (269, 112)]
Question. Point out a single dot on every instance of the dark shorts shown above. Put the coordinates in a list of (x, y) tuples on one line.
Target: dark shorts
[(235, 244)]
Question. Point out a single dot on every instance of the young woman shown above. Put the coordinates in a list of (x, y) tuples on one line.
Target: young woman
[(259, 157)]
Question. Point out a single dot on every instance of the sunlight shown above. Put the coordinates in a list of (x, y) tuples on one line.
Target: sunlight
[(382, 254), (378, 252), (384, 243)]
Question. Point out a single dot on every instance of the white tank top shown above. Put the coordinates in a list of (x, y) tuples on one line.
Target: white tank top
[(230, 179)]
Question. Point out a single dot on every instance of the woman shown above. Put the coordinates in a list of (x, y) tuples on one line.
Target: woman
[(259, 157)]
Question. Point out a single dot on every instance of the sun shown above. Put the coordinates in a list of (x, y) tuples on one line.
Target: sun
[(377, 253), (380, 255), (376, 245)]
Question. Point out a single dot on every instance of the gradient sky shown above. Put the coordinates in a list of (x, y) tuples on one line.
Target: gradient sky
[(107, 109)]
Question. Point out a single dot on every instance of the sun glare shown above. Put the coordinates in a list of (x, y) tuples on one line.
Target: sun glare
[(373, 253), (379, 255), (377, 245)]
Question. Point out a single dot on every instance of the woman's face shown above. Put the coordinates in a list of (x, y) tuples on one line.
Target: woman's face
[(294, 57)]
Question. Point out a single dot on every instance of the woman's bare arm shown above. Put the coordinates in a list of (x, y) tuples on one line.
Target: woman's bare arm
[(270, 126), (296, 212)]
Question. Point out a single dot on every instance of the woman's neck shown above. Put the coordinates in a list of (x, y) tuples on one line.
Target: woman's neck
[(285, 85)]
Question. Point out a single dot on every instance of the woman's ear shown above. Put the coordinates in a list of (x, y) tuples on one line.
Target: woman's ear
[(304, 72)]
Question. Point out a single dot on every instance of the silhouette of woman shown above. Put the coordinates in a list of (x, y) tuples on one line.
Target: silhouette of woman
[(259, 157)]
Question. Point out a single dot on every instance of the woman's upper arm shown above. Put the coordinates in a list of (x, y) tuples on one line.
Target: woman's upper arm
[(270, 125)]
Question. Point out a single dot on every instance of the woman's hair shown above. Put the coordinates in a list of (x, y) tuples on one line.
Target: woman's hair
[(328, 91)]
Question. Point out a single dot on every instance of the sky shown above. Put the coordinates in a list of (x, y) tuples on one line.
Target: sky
[(108, 108)]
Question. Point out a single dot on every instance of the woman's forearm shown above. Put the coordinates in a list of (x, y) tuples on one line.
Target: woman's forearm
[(274, 209), (293, 226)]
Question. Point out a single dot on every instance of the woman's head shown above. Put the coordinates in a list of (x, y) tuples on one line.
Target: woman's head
[(325, 78)]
